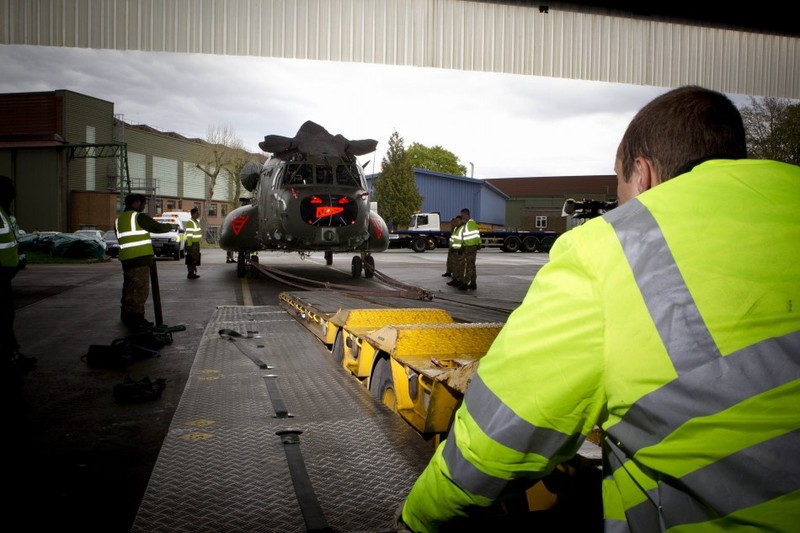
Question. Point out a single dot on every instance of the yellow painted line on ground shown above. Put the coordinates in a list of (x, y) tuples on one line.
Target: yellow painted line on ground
[(247, 298)]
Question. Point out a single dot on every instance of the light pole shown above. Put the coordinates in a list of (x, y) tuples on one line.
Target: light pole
[(472, 170)]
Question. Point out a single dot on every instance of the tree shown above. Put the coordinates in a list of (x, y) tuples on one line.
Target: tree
[(437, 159), (222, 153), (395, 189), (773, 129)]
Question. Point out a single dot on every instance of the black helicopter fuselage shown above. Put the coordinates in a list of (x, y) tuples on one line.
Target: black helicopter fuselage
[(311, 195)]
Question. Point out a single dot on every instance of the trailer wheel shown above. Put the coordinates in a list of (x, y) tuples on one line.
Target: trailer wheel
[(511, 244), (547, 243), (530, 244), (419, 245), (338, 347), (381, 385)]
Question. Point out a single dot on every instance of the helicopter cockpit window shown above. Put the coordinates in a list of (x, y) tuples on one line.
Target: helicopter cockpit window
[(299, 175), (324, 175), (346, 176)]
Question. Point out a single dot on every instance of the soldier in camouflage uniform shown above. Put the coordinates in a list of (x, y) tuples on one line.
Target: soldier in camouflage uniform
[(136, 255), (194, 234)]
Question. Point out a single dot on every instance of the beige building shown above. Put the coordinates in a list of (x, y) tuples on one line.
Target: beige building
[(73, 160)]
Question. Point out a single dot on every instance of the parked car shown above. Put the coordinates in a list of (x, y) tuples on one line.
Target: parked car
[(95, 234), (112, 244)]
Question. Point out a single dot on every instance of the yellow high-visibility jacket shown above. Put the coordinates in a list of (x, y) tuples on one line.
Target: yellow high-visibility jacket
[(9, 250), (134, 241), (194, 233), (674, 325), (470, 234)]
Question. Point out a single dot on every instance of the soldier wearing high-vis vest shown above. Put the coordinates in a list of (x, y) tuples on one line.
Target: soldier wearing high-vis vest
[(14, 363), (194, 234), (133, 230), (669, 324), (456, 247), (471, 239)]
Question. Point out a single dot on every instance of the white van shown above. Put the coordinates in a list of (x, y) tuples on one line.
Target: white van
[(172, 243)]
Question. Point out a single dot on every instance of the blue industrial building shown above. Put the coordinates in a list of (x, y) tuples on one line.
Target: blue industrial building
[(447, 194)]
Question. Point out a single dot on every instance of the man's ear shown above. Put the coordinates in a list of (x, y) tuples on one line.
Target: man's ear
[(646, 174)]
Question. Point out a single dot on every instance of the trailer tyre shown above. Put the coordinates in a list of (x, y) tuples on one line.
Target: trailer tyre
[(547, 243), (338, 347), (511, 244), (419, 245), (530, 244), (381, 385)]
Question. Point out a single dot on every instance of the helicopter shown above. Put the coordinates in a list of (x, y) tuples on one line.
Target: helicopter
[(309, 196)]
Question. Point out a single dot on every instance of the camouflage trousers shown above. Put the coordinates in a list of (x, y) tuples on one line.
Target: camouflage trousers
[(469, 256), (135, 289), (192, 257), (8, 341), (451, 260)]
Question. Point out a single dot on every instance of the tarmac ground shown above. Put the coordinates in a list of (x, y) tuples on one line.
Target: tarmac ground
[(80, 460)]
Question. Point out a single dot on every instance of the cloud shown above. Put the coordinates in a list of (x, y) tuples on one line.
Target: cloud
[(506, 125)]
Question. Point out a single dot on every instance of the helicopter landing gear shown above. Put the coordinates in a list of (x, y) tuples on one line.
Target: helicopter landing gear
[(356, 266), (329, 258), (363, 262), (369, 266)]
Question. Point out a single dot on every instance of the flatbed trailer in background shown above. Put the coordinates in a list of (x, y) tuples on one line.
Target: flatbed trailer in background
[(425, 233)]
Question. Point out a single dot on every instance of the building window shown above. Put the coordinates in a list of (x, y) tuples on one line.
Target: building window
[(170, 205), (212, 210), (158, 206), (224, 210), (541, 222)]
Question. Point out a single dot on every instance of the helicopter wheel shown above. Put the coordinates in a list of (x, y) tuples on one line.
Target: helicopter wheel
[(357, 266), (329, 258), (241, 265), (369, 266)]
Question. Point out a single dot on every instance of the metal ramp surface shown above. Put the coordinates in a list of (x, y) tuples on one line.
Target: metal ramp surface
[(223, 465)]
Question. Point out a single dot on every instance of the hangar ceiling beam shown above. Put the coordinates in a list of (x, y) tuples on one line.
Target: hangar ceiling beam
[(505, 37)]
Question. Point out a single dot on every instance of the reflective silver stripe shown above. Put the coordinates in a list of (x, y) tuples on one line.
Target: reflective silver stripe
[(671, 306), (742, 469), (6, 227), (502, 425), (616, 526), (466, 475), (133, 244), (709, 390), (133, 232), (707, 383)]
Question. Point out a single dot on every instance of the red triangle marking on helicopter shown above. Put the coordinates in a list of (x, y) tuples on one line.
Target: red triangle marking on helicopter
[(238, 223)]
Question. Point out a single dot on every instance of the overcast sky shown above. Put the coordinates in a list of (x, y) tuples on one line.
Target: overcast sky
[(505, 125)]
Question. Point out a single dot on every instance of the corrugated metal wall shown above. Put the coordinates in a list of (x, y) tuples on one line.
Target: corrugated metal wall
[(450, 34)]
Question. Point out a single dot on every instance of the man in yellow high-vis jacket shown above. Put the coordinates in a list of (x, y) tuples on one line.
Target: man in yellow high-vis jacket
[(133, 228), (14, 363), (669, 323), (194, 235)]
